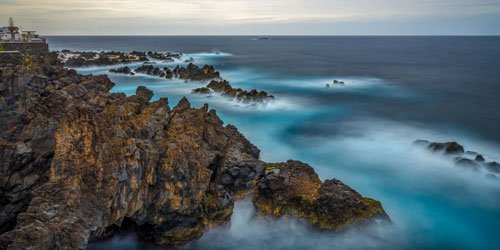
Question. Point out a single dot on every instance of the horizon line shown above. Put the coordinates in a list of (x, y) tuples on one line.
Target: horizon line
[(291, 35)]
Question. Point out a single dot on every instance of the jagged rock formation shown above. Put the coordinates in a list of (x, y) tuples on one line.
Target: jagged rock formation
[(78, 162), (195, 73), (122, 70), (225, 88), (89, 58), (293, 188), (166, 56), (155, 71), (460, 156), (191, 72)]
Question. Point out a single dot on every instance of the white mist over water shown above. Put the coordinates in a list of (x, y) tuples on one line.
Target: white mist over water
[(433, 203), (246, 231)]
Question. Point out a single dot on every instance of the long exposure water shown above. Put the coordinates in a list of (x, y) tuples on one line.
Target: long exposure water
[(397, 90)]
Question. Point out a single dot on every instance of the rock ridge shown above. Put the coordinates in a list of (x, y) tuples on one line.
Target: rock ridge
[(78, 163)]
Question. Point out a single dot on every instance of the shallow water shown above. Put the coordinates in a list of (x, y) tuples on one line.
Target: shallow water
[(397, 90)]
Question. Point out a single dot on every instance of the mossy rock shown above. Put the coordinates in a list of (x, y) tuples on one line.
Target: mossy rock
[(273, 166)]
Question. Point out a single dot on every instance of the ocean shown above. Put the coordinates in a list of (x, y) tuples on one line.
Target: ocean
[(397, 90)]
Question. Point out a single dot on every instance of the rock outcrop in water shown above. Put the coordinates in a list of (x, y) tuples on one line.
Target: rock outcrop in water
[(194, 73), (90, 58), (294, 189), (155, 71), (225, 88), (122, 70), (191, 72), (462, 158), (78, 162), (165, 56)]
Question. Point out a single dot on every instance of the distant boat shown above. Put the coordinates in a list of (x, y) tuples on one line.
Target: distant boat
[(263, 38)]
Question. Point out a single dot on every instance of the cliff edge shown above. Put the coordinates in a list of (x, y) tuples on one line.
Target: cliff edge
[(78, 162)]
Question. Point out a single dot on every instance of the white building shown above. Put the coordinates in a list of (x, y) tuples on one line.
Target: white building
[(13, 33)]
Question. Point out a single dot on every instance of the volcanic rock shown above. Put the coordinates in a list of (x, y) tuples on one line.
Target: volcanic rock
[(167, 56), (479, 158), (78, 163), (493, 166), (195, 73), (453, 149), (123, 70), (89, 58), (154, 71), (295, 190), (225, 88), (464, 162)]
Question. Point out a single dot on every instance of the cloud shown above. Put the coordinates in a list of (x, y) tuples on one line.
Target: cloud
[(229, 16)]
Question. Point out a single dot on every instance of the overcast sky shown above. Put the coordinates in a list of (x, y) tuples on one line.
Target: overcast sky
[(261, 17)]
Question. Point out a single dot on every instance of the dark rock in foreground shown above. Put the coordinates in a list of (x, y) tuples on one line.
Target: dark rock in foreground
[(78, 163), (294, 189)]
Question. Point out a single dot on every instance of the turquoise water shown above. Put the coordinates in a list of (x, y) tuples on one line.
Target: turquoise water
[(433, 203)]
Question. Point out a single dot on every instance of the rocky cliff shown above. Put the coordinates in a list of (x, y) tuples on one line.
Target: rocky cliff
[(79, 162)]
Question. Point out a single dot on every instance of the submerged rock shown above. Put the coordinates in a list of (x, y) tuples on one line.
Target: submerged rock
[(123, 70), (493, 167), (453, 149), (464, 162), (447, 147), (202, 90), (296, 190)]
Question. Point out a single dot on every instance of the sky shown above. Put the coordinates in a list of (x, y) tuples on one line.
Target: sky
[(255, 17)]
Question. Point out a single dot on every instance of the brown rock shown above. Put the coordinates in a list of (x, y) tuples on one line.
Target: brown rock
[(79, 163), (294, 189)]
